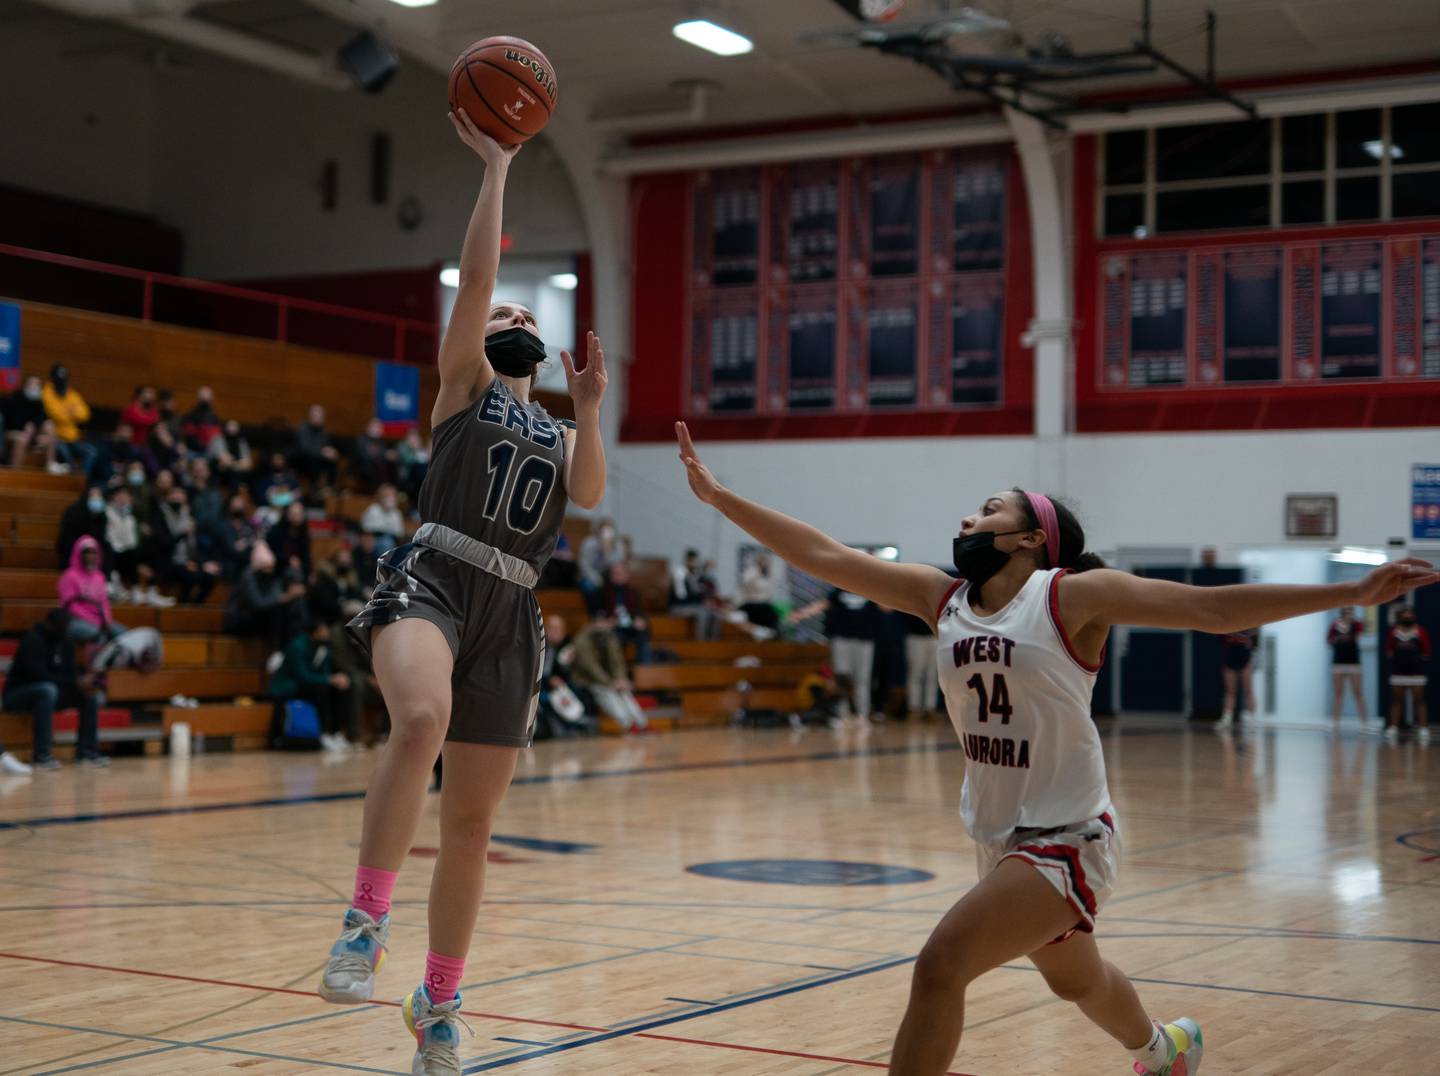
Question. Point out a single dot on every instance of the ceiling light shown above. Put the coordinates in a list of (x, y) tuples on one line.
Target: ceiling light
[(413, 3), (450, 278), (1376, 149), (712, 38), (1354, 555), (564, 281)]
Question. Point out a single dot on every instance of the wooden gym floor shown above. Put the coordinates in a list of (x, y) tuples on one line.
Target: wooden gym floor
[(170, 916)]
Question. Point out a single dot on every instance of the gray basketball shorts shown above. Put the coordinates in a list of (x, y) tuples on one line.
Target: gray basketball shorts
[(495, 633)]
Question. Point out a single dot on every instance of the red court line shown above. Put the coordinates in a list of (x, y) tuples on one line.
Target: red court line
[(466, 1012)]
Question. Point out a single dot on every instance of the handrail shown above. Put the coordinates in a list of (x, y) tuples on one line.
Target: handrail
[(283, 304)]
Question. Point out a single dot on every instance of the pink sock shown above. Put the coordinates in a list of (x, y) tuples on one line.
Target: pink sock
[(372, 891), (442, 976)]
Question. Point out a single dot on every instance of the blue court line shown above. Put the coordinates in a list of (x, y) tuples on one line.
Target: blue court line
[(522, 1042), (533, 779), (178, 1044), (666, 1021), (687, 1001)]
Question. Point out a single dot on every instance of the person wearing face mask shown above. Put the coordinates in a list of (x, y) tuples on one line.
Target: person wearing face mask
[(85, 517), (384, 520), (1020, 637), (201, 425), (313, 456), (26, 424), (289, 539), (123, 537), (67, 409), (233, 538), (42, 678), (164, 441), (85, 595), (265, 605), (195, 577), (372, 457), (141, 414), (230, 455), (598, 552), (453, 628), (1408, 649), (278, 497)]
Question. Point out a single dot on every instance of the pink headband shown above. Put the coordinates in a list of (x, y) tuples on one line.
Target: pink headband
[(1045, 512)]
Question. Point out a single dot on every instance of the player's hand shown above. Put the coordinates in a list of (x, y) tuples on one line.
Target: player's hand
[(490, 151), (587, 386), (1389, 581), (702, 482)]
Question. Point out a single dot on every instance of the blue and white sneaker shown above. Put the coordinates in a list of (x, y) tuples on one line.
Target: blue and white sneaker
[(437, 1039), (349, 975)]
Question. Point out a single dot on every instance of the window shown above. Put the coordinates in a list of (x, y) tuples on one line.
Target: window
[(1363, 164)]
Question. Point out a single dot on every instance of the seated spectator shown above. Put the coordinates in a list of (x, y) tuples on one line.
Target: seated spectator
[(336, 593), (313, 455), (599, 666), (140, 415), (232, 538), (367, 560), (560, 712), (67, 409), (84, 517), (84, 595), (289, 539), (141, 494), (275, 472), (115, 454), (759, 591), (207, 504), (599, 550), (262, 605), (201, 425), (559, 570), (821, 697), (384, 520), (26, 424), (230, 455), (305, 672), (619, 602), (182, 565), (412, 459), (373, 459), (123, 538), (43, 678), (165, 442), (688, 597)]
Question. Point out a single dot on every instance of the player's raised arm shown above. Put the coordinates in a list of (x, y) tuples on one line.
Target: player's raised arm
[(584, 448), (1111, 597), (915, 588), (465, 372)]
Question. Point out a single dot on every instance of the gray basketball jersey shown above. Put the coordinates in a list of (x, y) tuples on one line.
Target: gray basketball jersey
[(497, 474)]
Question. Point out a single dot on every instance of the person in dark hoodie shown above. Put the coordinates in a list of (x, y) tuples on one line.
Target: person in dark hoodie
[(307, 672), (201, 425), (85, 517), (313, 455), (43, 677), (263, 605)]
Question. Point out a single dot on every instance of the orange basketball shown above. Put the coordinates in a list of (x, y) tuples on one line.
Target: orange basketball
[(506, 86)]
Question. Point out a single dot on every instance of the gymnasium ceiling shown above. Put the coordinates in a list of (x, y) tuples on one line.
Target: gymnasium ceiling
[(618, 57)]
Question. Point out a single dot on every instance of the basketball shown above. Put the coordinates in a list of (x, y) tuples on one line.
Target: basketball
[(506, 86)]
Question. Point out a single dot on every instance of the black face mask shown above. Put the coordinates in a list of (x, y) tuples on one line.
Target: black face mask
[(514, 352), (976, 558)]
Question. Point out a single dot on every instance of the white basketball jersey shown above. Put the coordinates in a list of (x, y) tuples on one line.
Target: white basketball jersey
[(1019, 697)]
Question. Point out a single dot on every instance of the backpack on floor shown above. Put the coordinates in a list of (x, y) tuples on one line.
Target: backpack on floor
[(296, 726)]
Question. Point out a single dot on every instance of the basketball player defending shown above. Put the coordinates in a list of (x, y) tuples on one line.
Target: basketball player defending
[(1021, 636), (454, 629)]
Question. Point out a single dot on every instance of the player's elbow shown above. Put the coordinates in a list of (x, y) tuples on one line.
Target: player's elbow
[(587, 498)]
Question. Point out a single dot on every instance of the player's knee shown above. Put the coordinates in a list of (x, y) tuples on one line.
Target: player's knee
[(943, 965), (1069, 987), (419, 726), (466, 832)]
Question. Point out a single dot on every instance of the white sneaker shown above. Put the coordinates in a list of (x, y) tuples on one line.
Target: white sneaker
[(273, 662), (158, 600), (1422, 735), (57, 468), (342, 742), (1392, 734), (332, 742), (10, 764)]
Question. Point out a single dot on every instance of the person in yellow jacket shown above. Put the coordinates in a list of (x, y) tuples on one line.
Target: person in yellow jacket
[(67, 409)]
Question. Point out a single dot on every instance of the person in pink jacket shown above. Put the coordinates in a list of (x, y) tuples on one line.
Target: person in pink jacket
[(83, 594)]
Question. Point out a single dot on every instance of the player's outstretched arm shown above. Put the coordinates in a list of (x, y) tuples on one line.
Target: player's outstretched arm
[(1106, 596), (465, 372), (915, 588), (585, 449)]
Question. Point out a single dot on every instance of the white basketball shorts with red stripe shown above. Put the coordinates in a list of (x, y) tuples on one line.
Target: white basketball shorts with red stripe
[(1082, 861)]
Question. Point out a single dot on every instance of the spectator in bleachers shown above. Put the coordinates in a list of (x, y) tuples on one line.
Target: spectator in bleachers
[(313, 456), (687, 596), (207, 504), (853, 625), (599, 667), (559, 570), (384, 520), (201, 425), (305, 671), (289, 539), (182, 565), (26, 425), (561, 711), (42, 678), (372, 459), (412, 458), (122, 537), (165, 442), (336, 592), (115, 454), (367, 557), (67, 409), (619, 602), (230, 455), (759, 591), (85, 595), (263, 605), (233, 537), (86, 516), (141, 414), (599, 550), (278, 497)]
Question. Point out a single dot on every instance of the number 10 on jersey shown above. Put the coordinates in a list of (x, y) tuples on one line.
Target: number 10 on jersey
[(530, 492)]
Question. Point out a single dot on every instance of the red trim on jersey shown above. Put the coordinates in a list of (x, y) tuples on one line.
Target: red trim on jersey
[(1054, 607), (1070, 857), (946, 600)]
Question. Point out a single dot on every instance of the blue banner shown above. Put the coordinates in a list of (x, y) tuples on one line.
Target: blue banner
[(397, 396), (1425, 500), (9, 346)]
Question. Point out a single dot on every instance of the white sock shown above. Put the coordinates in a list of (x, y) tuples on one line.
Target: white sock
[(1158, 1052)]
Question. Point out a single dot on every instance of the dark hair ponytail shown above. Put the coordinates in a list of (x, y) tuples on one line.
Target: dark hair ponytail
[(1071, 554)]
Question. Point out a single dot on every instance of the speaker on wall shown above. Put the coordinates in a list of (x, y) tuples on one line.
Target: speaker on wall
[(369, 61), (380, 168)]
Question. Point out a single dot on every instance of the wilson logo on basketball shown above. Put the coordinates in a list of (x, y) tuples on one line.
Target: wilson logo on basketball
[(543, 78)]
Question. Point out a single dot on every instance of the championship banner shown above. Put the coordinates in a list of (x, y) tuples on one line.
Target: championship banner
[(397, 397), (9, 347), (1425, 501)]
